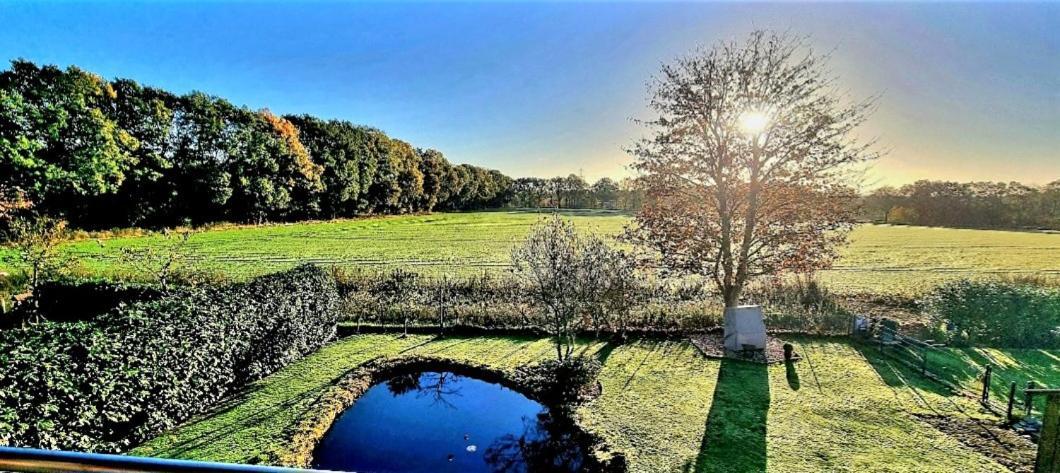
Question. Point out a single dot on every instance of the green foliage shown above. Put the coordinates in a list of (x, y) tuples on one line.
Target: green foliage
[(56, 141), (106, 154), (145, 367), (996, 314)]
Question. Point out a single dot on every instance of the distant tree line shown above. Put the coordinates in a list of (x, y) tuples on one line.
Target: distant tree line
[(574, 192), (116, 153), (970, 204)]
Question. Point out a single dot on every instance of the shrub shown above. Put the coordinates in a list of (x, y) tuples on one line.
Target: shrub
[(559, 382), (801, 304), (998, 314), (145, 367)]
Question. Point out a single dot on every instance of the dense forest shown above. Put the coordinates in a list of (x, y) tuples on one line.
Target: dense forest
[(970, 205), (116, 153)]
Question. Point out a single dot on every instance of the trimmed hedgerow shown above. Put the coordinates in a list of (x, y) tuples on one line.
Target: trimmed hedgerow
[(142, 368)]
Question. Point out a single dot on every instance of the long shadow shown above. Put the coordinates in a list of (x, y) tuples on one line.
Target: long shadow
[(735, 438), (897, 374), (792, 375), (605, 351)]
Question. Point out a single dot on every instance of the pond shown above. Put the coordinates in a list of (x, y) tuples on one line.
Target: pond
[(444, 421)]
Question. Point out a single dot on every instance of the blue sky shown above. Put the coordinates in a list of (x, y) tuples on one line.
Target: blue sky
[(970, 91)]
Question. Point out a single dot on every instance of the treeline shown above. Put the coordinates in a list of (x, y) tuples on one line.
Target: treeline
[(116, 153), (971, 205), (573, 192)]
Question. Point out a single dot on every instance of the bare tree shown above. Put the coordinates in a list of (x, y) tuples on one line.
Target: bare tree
[(442, 298), (607, 284), (546, 263), (37, 239), (748, 166), (621, 291), (161, 261), (399, 291)]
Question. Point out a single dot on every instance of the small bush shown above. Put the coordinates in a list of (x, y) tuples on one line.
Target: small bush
[(1000, 314), (801, 304), (557, 382), (145, 367)]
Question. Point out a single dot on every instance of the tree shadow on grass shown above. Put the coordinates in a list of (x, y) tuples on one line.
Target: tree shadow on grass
[(735, 437), (605, 351), (896, 373)]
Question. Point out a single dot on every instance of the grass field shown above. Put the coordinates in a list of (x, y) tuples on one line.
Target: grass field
[(663, 405), (880, 259)]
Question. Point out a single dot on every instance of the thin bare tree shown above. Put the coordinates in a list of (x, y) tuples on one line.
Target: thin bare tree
[(547, 265), (161, 261), (37, 240)]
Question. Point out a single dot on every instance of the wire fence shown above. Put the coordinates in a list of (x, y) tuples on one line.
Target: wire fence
[(965, 371)]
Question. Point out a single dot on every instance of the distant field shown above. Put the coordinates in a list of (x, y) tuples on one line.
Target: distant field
[(880, 258)]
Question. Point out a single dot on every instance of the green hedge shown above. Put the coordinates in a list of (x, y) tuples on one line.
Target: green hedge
[(998, 314), (143, 368)]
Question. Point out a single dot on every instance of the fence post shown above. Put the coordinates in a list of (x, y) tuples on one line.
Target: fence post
[(1049, 444), (1011, 401), (1028, 399), (923, 361), (986, 384)]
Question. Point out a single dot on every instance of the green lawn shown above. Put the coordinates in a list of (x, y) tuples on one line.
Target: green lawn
[(663, 405), (880, 258), (964, 367)]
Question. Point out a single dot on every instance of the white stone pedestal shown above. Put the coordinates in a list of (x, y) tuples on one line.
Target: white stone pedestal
[(744, 326)]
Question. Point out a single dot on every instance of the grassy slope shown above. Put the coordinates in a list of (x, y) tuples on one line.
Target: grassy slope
[(835, 412), (879, 259), (964, 367)]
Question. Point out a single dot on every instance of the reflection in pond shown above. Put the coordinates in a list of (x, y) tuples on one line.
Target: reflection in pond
[(443, 421)]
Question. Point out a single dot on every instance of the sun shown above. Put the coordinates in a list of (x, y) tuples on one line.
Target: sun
[(753, 122)]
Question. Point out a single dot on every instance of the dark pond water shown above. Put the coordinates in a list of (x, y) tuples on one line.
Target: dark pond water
[(445, 422)]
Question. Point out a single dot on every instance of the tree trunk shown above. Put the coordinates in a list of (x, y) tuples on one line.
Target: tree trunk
[(732, 295)]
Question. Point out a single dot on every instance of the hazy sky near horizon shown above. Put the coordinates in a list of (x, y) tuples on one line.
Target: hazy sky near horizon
[(969, 91)]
